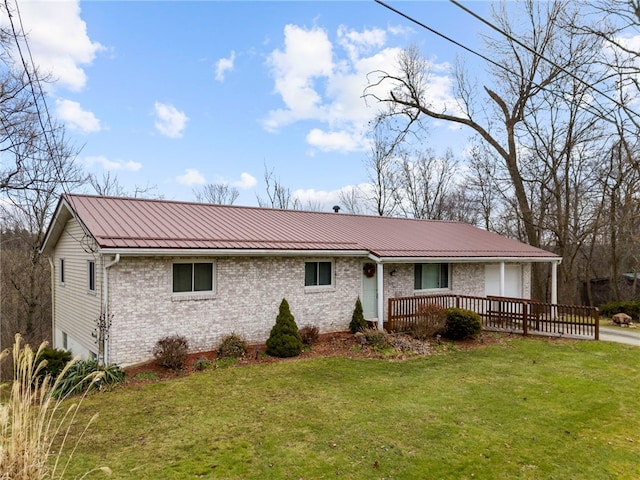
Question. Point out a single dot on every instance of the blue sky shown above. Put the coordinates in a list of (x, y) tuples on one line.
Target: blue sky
[(177, 94)]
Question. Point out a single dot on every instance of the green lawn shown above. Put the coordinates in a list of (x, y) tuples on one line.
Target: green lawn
[(530, 409)]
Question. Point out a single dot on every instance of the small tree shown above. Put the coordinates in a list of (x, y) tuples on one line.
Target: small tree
[(358, 323), (284, 340)]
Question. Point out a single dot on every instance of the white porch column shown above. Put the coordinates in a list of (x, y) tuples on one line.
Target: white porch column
[(380, 294), (554, 283), (502, 279)]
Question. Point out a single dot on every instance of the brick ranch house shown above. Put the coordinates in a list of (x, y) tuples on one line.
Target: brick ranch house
[(156, 268)]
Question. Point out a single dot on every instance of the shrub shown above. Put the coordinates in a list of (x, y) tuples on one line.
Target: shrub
[(284, 340), (358, 323), (232, 346), (462, 324), (378, 339), (309, 334), (56, 361), (431, 320), (631, 308), (171, 352)]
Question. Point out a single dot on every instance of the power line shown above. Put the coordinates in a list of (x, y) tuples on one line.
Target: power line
[(543, 57), (489, 60)]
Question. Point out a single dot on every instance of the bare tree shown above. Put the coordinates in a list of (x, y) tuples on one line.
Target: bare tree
[(219, 193), (26, 212), (278, 196), (507, 115), (109, 186), (352, 200), (425, 184)]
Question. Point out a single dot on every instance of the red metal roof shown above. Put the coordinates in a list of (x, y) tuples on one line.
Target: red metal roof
[(130, 223)]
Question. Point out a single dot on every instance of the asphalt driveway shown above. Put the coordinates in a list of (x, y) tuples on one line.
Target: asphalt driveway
[(629, 336)]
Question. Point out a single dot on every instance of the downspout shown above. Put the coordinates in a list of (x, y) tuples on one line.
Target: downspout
[(105, 308), (53, 302)]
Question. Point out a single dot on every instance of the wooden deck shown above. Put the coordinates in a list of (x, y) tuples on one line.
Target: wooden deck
[(515, 315)]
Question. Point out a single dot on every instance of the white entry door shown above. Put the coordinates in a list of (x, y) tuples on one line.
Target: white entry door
[(369, 297), (512, 280)]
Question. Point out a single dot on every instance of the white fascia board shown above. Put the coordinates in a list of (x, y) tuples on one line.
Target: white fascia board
[(229, 252), (469, 259)]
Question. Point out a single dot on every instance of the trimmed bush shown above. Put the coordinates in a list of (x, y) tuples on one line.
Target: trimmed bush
[(56, 359), (309, 334), (232, 346), (171, 352), (431, 320), (284, 340), (462, 324), (358, 323)]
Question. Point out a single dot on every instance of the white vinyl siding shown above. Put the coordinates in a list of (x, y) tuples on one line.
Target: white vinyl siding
[(76, 312)]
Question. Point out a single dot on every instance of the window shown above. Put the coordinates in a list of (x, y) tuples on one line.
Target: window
[(318, 274), (65, 341), (61, 263), (431, 275), (192, 277), (92, 275)]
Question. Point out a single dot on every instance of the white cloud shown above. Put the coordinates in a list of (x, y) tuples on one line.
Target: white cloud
[(58, 40), (113, 164), (342, 141), (246, 181), (76, 118), (323, 81), (225, 65), (191, 177), (170, 121)]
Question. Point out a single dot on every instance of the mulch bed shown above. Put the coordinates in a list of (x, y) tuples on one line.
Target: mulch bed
[(343, 344)]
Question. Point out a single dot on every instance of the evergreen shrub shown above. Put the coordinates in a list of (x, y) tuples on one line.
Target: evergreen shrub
[(631, 308), (56, 359), (358, 323), (462, 324), (284, 340)]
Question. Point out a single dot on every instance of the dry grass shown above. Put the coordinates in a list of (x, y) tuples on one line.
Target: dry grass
[(33, 421)]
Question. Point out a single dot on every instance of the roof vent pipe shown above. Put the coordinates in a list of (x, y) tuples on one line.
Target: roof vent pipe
[(336, 208)]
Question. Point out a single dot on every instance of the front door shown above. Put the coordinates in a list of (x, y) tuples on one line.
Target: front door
[(369, 297)]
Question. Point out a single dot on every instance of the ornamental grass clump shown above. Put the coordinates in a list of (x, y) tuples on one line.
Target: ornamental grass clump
[(284, 340), (35, 423)]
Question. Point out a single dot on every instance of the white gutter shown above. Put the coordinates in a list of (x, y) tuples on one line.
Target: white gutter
[(230, 252), (105, 307), (418, 259)]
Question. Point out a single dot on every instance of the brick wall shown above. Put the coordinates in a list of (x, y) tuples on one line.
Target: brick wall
[(248, 292)]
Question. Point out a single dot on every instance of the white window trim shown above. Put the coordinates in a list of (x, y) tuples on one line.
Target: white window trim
[(320, 288), (62, 271), (438, 289), (200, 295), (95, 276)]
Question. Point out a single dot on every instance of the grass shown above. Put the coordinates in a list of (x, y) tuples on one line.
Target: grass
[(527, 409)]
